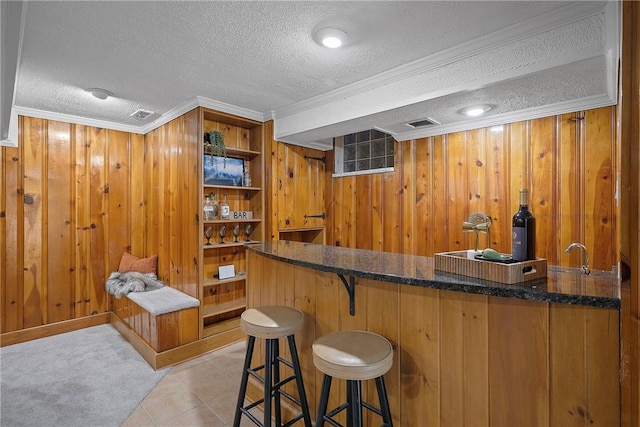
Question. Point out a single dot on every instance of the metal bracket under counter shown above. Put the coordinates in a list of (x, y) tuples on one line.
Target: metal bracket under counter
[(351, 290)]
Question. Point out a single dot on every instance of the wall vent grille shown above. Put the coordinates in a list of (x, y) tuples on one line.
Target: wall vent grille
[(422, 123)]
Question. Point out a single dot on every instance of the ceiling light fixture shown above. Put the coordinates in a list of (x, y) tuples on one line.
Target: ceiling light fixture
[(331, 37), (475, 110), (99, 93)]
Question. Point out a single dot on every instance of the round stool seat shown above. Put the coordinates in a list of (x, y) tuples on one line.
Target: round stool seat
[(272, 321), (353, 355)]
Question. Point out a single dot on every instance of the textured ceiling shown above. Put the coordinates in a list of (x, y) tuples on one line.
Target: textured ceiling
[(260, 57)]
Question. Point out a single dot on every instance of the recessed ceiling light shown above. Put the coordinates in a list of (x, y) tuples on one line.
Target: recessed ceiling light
[(331, 37), (99, 93), (475, 110)]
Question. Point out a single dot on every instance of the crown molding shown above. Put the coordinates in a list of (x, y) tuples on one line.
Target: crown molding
[(482, 45), (586, 103)]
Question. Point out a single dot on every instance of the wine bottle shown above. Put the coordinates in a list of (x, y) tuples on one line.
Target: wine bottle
[(523, 229), (214, 202), (224, 208), (208, 209)]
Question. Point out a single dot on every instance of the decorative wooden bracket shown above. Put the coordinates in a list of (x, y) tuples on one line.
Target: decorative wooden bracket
[(350, 286)]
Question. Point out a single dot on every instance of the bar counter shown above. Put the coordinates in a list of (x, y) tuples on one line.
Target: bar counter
[(466, 352), (563, 285)]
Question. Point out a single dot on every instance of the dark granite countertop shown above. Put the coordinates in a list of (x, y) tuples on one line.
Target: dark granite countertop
[(563, 285)]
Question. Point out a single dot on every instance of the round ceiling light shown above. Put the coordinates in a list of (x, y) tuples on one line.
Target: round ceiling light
[(475, 110), (331, 37), (99, 93)]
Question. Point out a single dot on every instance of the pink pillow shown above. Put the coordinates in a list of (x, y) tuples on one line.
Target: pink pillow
[(129, 262)]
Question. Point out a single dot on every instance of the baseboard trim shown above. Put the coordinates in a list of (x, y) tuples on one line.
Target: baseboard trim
[(29, 334)]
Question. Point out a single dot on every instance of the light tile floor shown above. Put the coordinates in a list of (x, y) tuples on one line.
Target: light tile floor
[(199, 392)]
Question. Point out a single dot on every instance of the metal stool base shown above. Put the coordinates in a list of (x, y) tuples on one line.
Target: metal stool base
[(353, 405), (273, 385)]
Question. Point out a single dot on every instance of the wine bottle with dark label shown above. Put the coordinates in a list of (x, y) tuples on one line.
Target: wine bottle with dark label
[(524, 231)]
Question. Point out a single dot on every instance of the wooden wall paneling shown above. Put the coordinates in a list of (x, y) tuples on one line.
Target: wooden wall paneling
[(602, 344), (383, 314), (175, 191), (518, 159), (328, 319), (82, 217), (392, 203), (600, 188), (60, 222), (419, 334), (424, 196), (542, 193), (118, 198), (409, 214), (452, 373), (475, 318), (164, 212), (568, 382), (152, 192), (497, 177), (270, 181), (377, 213), (12, 235), (629, 138), (34, 158), (568, 219), (518, 348), (303, 284), (365, 211), (476, 182), (191, 203), (457, 174), (98, 239), (138, 204), (439, 222), (286, 187)]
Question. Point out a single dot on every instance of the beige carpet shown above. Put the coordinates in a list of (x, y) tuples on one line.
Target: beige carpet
[(90, 377)]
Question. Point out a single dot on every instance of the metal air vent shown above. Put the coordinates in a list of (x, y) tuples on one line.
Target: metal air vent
[(141, 114), (422, 123)]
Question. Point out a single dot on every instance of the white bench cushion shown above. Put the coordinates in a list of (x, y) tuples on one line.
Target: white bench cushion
[(163, 300)]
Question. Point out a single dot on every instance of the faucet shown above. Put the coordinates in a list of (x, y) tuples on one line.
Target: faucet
[(585, 260)]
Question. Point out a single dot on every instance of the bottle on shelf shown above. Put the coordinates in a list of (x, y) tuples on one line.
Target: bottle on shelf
[(208, 209), (523, 231), (246, 177), (214, 202), (224, 208)]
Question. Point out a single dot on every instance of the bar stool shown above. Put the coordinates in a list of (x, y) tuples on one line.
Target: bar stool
[(354, 356), (272, 323)]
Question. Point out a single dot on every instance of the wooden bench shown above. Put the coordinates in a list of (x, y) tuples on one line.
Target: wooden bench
[(164, 318)]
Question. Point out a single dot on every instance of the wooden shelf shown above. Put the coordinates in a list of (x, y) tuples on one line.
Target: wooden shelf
[(228, 244), (215, 282), (223, 326), (232, 187), (230, 221), (215, 309)]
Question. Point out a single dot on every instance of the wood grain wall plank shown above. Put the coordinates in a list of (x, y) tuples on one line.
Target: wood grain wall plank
[(34, 157), (82, 214), (518, 332), (98, 238), (60, 203), (12, 234)]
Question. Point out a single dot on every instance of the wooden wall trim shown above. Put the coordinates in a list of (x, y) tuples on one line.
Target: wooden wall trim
[(24, 335), (629, 128)]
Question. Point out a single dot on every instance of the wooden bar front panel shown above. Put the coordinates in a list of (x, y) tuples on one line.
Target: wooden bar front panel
[(460, 359)]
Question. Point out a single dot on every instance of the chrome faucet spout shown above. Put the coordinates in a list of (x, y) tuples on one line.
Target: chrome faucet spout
[(585, 258)]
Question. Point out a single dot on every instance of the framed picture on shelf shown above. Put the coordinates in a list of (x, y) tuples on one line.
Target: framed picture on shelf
[(223, 170)]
